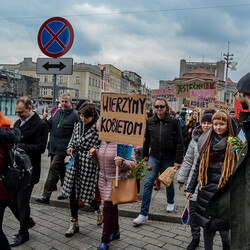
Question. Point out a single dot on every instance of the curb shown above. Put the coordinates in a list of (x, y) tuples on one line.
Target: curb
[(168, 217)]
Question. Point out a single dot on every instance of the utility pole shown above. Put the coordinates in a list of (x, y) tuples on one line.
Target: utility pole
[(228, 58)]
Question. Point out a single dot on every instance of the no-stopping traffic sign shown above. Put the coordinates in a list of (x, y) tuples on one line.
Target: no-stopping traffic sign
[(55, 37)]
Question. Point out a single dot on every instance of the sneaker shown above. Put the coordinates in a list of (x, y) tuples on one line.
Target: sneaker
[(170, 207), (61, 197), (99, 214), (73, 228), (103, 246), (193, 244), (141, 218), (115, 236), (44, 200)]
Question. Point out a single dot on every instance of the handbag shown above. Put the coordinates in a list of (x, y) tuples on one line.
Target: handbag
[(125, 192), (167, 176)]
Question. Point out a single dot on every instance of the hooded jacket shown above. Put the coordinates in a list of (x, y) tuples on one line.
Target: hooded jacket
[(190, 160)]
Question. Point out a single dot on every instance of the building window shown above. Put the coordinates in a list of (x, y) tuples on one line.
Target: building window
[(76, 94), (92, 94), (45, 91), (99, 84), (96, 83), (77, 79), (61, 79), (93, 82), (52, 78), (89, 94), (45, 78), (90, 81), (60, 92)]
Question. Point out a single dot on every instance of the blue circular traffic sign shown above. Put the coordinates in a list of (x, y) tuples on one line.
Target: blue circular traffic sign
[(55, 37)]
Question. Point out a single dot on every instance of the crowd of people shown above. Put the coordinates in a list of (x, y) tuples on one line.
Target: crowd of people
[(215, 175)]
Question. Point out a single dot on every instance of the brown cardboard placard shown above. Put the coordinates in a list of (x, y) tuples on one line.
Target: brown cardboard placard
[(203, 98), (168, 94), (183, 88), (223, 106), (123, 118)]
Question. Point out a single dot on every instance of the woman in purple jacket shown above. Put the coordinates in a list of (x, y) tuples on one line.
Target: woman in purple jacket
[(106, 156)]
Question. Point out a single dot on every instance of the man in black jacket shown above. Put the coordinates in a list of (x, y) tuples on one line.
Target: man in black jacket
[(61, 128), (34, 135), (164, 139)]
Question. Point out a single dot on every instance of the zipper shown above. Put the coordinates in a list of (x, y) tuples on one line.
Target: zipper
[(160, 137), (105, 179)]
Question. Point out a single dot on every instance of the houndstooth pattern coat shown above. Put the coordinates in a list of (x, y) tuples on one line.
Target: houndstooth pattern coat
[(83, 174)]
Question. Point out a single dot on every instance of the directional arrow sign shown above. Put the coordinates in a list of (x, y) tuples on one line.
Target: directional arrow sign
[(55, 66)]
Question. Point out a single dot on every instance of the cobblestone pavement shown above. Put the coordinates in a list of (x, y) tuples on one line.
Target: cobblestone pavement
[(163, 231), (52, 222)]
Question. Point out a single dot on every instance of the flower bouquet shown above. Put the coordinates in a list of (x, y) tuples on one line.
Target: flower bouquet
[(237, 144), (140, 170)]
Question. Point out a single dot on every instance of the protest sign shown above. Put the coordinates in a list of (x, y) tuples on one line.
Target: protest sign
[(196, 104), (124, 151), (183, 88), (168, 94), (203, 98), (123, 118), (223, 106)]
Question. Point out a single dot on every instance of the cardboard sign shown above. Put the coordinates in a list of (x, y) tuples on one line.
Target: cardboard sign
[(124, 151), (196, 104), (168, 94), (123, 118), (183, 88), (223, 106), (203, 98)]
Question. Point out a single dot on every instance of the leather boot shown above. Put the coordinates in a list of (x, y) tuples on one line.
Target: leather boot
[(73, 228), (193, 244)]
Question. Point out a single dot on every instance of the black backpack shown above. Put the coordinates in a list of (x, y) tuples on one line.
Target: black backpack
[(18, 175)]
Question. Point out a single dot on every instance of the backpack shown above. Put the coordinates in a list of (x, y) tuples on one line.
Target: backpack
[(18, 175)]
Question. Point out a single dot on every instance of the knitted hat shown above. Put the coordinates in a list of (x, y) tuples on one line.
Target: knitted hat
[(207, 117), (244, 84), (173, 113)]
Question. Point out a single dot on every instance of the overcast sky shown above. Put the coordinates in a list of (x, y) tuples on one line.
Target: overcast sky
[(144, 36)]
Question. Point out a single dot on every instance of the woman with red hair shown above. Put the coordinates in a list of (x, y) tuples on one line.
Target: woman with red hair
[(214, 167), (8, 136)]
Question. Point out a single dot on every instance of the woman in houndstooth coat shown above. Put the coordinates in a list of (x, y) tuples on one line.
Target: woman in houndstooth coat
[(81, 178)]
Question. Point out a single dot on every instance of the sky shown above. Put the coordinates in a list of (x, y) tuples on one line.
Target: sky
[(146, 37)]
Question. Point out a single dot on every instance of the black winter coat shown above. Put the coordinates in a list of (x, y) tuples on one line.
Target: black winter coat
[(164, 138), (216, 159), (34, 136), (60, 135)]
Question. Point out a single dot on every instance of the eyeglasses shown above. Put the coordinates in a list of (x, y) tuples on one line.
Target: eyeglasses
[(160, 106), (236, 94)]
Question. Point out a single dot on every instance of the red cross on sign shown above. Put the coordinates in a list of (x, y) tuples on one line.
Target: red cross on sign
[(55, 37)]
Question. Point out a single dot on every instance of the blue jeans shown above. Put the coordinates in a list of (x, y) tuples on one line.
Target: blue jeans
[(151, 176)]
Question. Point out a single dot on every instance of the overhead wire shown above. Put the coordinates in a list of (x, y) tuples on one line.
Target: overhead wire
[(134, 12)]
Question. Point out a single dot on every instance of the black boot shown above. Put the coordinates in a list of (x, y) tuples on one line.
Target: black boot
[(193, 244)]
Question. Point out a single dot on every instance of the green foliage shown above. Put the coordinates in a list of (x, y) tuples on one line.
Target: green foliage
[(237, 143), (140, 170)]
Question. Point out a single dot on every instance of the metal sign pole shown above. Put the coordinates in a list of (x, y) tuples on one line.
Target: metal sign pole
[(55, 91)]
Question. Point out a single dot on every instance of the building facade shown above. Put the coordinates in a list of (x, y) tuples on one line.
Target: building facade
[(84, 83)]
